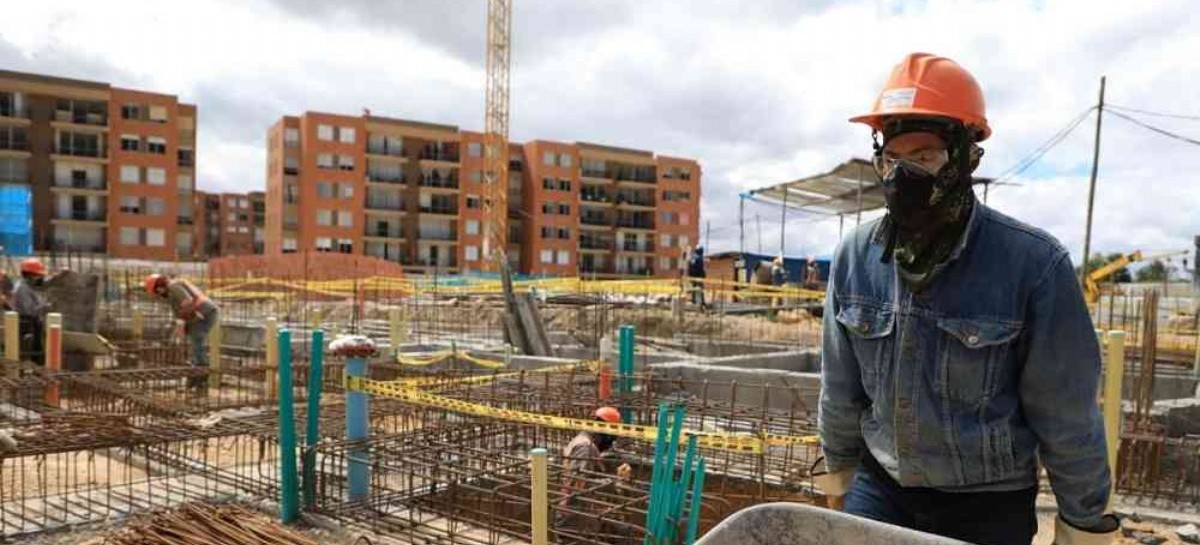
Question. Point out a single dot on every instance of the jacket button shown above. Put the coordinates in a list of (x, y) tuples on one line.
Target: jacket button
[(973, 340)]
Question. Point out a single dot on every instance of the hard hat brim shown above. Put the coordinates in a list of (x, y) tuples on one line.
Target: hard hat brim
[(877, 120)]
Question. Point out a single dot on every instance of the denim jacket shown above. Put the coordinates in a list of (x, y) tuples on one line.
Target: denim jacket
[(964, 385)]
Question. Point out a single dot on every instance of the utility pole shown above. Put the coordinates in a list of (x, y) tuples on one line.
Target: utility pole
[(707, 232), (1087, 235), (742, 224), (783, 222)]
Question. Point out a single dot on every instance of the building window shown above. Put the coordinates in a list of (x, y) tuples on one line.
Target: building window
[(243, 230), (564, 233), (548, 183), (676, 196), (346, 162), (324, 191), (684, 219), (155, 144), (131, 111), (130, 236), (324, 244), (291, 166), (290, 194), (347, 191), (564, 160), (186, 157), (156, 237), (548, 159), (232, 217), (131, 174), (472, 227), (155, 206), (564, 185), (130, 142), (345, 219), (325, 132), (547, 208), (475, 149), (324, 160), (324, 217), (564, 257), (131, 205), (346, 135), (243, 203), (289, 245), (156, 176), (158, 114), (345, 246), (547, 232), (683, 241), (291, 139), (477, 176), (564, 209), (664, 240), (547, 256), (473, 202), (231, 229), (185, 182), (472, 253)]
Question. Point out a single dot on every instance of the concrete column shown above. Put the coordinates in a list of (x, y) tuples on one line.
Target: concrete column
[(358, 411)]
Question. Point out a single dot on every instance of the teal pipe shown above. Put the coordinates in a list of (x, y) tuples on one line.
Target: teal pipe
[(668, 478), (681, 488), (625, 370), (289, 508), (655, 475), (695, 505), (313, 418)]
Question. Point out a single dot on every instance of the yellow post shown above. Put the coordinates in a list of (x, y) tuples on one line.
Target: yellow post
[(12, 343), (396, 330), (138, 325), (214, 354), (1114, 372), (271, 373), (538, 504), (54, 354)]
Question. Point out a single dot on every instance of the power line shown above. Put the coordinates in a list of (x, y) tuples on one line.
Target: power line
[(1035, 155), (1153, 113), (1158, 130)]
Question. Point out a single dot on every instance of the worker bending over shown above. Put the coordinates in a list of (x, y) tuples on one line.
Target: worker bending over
[(958, 352), (586, 454), (195, 309), (31, 308)]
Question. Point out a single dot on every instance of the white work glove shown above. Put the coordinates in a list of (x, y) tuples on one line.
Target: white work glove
[(1105, 533)]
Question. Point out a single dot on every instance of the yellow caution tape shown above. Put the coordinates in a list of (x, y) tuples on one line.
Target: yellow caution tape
[(428, 360), (487, 364), (745, 443)]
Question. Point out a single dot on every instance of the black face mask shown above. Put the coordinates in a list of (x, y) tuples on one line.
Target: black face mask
[(602, 441), (909, 192)]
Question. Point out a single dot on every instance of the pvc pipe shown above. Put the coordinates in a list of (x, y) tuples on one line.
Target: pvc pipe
[(53, 356), (358, 410), (12, 343), (538, 503), (625, 370), (313, 418), (214, 354), (1114, 373), (605, 382), (289, 509), (271, 373), (695, 504)]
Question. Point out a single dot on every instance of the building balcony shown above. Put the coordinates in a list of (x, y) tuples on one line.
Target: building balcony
[(386, 152), (385, 205), (82, 152), (393, 234), (635, 204), (435, 264), (10, 114), (440, 210), (377, 178), (291, 171), (595, 198), (439, 155), (595, 245), (635, 225), (11, 142), (291, 226), (77, 184), (595, 220), (184, 220), (81, 216), (439, 183), (637, 247), (438, 236), (80, 119)]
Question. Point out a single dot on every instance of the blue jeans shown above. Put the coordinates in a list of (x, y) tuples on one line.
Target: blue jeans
[(999, 518), (197, 333)]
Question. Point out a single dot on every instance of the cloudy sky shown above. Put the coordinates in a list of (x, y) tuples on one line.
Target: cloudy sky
[(758, 92)]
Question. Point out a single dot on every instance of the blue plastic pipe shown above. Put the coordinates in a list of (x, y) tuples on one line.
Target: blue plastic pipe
[(358, 471), (694, 506), (625, 370)]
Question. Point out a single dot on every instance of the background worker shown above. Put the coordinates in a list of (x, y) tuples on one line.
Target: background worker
[(195, 309), (958, 352), (697, 271), (586, 453), (31, 307)]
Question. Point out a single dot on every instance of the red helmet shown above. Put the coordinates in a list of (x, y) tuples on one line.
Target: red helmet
[(152, 282), (608, 414), (33, 266)]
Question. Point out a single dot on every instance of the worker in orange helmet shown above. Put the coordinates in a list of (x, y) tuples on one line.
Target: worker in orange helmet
[(31, 307), (958, 352), (195, 309), (585, 454)]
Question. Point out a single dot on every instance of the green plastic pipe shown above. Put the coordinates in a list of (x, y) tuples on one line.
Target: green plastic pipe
[(289, 508), (313, 418), (694, 506)]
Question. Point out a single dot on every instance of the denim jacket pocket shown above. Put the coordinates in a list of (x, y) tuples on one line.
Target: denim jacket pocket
[(971, 350), (870, 331)]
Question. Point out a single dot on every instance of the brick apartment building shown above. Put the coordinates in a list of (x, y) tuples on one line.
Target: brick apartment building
[(108, 169), (229, 223), (411, 192)]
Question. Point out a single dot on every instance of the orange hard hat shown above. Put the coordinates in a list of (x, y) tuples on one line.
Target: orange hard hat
[(152, 281), (609, 414), (928, 85), (34, 266)]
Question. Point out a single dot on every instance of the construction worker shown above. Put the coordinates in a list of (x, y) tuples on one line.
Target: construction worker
[(31, 307), (958, 351), (195, 309), (697, 270), (812, 274), (586, 453), (778, 272)]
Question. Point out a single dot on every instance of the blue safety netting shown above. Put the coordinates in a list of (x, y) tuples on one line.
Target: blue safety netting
[(16, 220)]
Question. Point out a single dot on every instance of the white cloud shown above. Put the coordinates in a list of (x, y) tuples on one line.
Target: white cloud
[(758, 92)]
